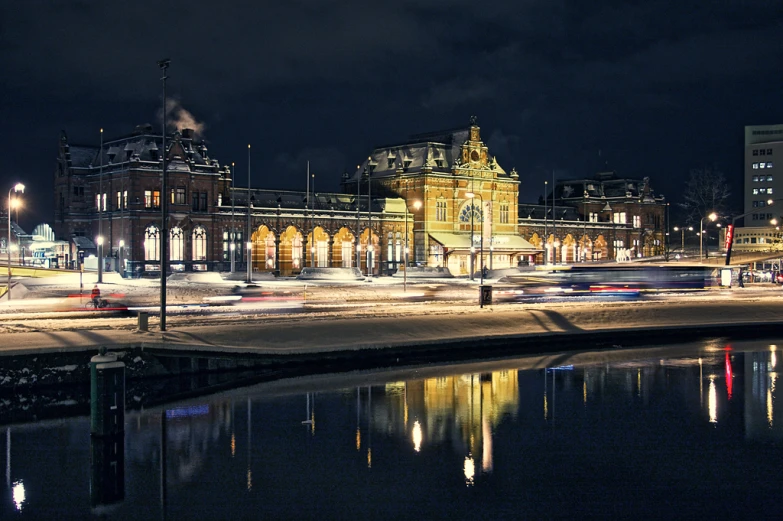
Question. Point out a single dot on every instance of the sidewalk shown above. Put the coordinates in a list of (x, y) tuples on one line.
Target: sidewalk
[(412, 330)]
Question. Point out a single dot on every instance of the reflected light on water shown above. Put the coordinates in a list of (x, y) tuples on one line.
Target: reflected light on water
[(18, 491), (713, 401), (416, 435), (233, 445), (470, 470), (358, 439), (770, 397), (546, 408)]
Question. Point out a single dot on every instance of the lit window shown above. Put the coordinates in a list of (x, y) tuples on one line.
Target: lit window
[(755, 191), (769, 178), (755, 166), (762, 165), (769, 165), (769, 190)]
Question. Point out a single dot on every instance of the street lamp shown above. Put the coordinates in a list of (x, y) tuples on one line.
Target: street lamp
[(416, 206), (249, 261), (682, 238), (711, 217), (121, 267), (18, 187), (164, 228), (471, 196), (101, 209)]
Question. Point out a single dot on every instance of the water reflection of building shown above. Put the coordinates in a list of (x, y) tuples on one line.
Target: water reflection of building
[(461, 410), (762, 417)]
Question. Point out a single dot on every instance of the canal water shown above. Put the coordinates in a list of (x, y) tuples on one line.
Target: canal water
[(683, 431)]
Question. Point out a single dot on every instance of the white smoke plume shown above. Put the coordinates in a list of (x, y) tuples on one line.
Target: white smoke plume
[(179, 118)]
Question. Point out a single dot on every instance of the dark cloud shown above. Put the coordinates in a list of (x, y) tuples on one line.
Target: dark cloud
[(659, 86)]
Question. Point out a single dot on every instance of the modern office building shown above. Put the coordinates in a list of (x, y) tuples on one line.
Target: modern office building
[(763, 179)]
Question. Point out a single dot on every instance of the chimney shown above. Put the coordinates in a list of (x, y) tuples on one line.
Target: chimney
[(188, 133)]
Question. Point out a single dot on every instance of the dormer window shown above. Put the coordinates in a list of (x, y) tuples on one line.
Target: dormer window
[(390, 163), (406, 163)]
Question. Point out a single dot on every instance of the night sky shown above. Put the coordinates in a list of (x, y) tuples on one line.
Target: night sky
[(658, 87)]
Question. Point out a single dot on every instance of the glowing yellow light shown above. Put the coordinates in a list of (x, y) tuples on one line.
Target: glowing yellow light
[(469, 468), (769, 407), (584, 392), (639, 382), (358, 438), (233, 445), (369, 458), (417, 436), (773, 360), (713, 401), (249, 479), (546, 408), (18, 492)]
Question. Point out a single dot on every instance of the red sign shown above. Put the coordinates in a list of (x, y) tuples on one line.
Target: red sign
[(729, 236)]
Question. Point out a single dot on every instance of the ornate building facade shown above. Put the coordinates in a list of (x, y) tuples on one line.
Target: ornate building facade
[(596, 219), (441, 196), (114, 191), (467, 218)]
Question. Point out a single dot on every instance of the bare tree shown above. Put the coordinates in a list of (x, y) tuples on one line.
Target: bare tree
[(706, 191)]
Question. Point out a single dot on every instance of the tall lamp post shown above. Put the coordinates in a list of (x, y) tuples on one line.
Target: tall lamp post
[(164, 233), (712, 216), (471, 196), (546, 236), (121, 267), (101, 208), (18, 187), (232, 233), (416, 206), (249, 211), (682, 236)]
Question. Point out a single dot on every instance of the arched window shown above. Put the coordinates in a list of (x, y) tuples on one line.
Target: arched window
[(296, 251), (199, 243), (464, 214), (177, 246), (151, 243)]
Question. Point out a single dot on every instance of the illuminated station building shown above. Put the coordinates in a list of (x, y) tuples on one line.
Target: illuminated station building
[(443, 194)]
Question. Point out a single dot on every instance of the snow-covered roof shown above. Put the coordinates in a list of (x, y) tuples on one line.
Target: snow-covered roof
[(186, 153), (286, 199), (436, 152)]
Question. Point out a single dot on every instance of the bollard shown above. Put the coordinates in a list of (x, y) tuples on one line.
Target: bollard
[(485, 295), (144, 321), (107, 395)]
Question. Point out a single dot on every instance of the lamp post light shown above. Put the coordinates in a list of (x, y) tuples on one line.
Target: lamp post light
[(682, 236), (18, 187), (121, 267), (416, 206), (101, 208), (471, 196), (249, 261), (546, 236), (99, 240), (232, 234), (712, 216), (164, 229)]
